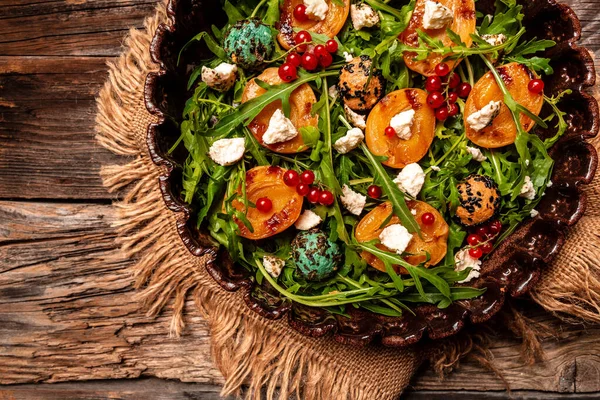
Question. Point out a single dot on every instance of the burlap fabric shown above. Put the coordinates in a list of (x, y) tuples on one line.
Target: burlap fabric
[(269, 356)]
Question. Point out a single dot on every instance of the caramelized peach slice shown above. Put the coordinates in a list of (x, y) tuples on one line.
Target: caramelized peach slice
[(301, 101), (287, 204), (463, 25), (503, 130), (434, 237), (401, 152), (334, 21)]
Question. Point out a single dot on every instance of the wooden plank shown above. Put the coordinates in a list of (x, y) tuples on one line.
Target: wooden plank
[(67, 312)]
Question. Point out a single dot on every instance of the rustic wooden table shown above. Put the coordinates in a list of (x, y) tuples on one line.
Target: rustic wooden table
[(67, 311)]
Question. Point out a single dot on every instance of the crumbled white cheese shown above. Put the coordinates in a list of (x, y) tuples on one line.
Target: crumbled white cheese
[(273, 265), (235, 104), (402, 124), (463, 260), (482, 118), (549, 184), (353, 201), (527, 162), (396, 238), (227, 151), (436, 15), (534, 213), (316, 9), (495, 40), (411, 179), (307, 220), (413, 212), (363, 16), (213, 120), (220, 78), (435, 168), (348, 57), (333, 93), (527, 190), (476, 154), (280, 129), (354, 118), (350, 141)]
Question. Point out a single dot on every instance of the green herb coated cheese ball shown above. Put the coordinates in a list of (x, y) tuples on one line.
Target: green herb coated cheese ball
[(249, 43), (316, 257)]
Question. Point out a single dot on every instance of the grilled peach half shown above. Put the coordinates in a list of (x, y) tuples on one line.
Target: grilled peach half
[(267, 181), (301, 101), (332, 24), (502, 131), (463, 25), (434, 237), (401, 152)]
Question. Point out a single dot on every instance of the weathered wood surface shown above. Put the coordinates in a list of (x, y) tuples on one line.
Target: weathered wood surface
[(67, 310)]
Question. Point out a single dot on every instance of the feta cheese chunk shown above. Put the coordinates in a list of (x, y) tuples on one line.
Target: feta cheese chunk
[(482, 118), (220, 78), (411, 179), (396, 238), (316, 9), (280, 129), (333, 93), (527, 190), (435, 168), (463, 260), (350, 141), (355, 118), (476, 154), (348, 57), (534, 213), (363, 16), (227, 151), (273, 265), (307, 221), (436, 15), (402, 124), (353, 201), (495, 40)]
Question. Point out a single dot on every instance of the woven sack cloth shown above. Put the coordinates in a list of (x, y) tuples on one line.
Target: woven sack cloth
[(268, 357)]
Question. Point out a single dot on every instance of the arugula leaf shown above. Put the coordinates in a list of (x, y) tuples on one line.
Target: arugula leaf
[(272, 14), (210, 43), (507, 19), (538, 64), (532, 46), (233, 14)]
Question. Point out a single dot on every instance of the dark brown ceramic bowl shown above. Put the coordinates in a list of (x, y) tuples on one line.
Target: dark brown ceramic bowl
[(511, 270)]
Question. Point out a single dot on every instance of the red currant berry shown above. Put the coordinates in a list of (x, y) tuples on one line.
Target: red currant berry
[(428, 218), (452, 97), (536, 86), (442, 69), (441, 113), (482, 231), (291, 178), (453, 110), (390, 132), (309, 61), (433, 84), (326, 198), (264, 204), (313, 195), (331, 46), (302, 37), (325, 60), (300, 13), (463, 90), (453, 81), (320, 49), (294, 58), (302, 189), (476, 253), (374, 191), (435, 99), (474, 240), (487, 248), (307, 177), (287, 72), (495, 227)]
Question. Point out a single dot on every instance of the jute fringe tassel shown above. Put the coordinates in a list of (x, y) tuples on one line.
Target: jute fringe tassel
[(269, 357)]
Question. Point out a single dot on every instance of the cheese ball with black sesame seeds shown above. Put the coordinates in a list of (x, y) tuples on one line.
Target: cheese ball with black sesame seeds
[(360, 87), (479, 200)]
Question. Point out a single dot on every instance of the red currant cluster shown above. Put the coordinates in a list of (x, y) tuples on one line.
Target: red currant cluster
[(303, 183), (445, 87), (319, 55), (481, 240)]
